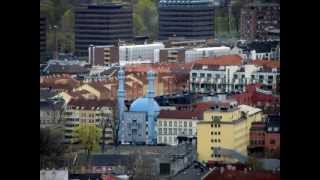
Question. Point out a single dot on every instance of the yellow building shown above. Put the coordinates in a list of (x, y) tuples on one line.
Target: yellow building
[(225, 127)]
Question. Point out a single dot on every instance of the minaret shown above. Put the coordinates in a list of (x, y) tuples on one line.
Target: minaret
[(121, 105), (151, 138)]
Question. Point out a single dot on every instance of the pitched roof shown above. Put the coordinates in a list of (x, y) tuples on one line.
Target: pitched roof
[(221, 60), (266, 63), (89, 103), (178, 114), (240, 175)]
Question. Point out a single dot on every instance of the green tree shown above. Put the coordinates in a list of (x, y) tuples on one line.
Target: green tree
[(145, 18), (89, 136), (52, 148)]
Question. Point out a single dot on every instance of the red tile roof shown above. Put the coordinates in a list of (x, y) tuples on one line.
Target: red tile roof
[(58, 82), (89, 103), (175, 114), (267, 63), (240, 175), (221, 60)]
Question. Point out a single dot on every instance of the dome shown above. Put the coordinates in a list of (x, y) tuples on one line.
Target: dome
[(144, 104)]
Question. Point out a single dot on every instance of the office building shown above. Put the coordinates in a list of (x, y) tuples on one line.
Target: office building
[(170, 55), (260, 21), (43, 36), (103, 55), (137, 54), (103, 24), (223, 135), (191, 19)]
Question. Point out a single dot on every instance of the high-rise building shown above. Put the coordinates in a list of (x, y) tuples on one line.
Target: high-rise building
[(260, 21), (192, 19), (104, 24), (43, 35)]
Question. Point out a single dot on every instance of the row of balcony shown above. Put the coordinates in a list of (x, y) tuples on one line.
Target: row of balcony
[(234, 81)]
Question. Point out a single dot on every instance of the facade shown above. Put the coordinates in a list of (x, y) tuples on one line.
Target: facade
[(103, 24), (43, 35), (170, 55), (144, 53), (136, 131), (265, 137), (199, 53), (174, 123), (144, 105), (103, 55), (217, 78), (51, 113), (84, 111), (224, 129), (186, 18), (257, 19), (54, 174)]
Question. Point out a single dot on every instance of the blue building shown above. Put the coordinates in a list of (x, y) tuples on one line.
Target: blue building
[(138, 125)]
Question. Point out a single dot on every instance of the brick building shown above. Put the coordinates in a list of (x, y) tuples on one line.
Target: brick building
[(257, 19)]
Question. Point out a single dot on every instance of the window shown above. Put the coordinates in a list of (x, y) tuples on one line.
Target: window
[(160, 123), (215, 125), (215, 140), (165, 123), (219, 140), (175, 123), (165, 139), (235, 76), (211, 148), (175, 131), (190, 132), (160, 139), (211, 133), (190, 124), (219, 133), (170, 131), (185, 124), (180, 123), (165, 131), (272, 141), (217, 76), (160, 131), (218, 125), (194, 74), (215, 133), (201, 74), (212, 125), (212, 140), (170, 124)]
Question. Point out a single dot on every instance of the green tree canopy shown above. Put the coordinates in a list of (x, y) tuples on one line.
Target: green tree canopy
[(89, 136)]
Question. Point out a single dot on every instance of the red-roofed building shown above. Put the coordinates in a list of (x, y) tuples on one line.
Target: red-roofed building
[(241, 175), (225, 60), (254, 96), (89, 111), (174, 123), (266, 63), (58, 82)]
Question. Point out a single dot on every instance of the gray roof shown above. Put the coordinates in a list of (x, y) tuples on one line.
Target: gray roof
[(67, 69)]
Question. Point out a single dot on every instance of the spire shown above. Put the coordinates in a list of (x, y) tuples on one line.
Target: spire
[(150, 77), (121, 105)]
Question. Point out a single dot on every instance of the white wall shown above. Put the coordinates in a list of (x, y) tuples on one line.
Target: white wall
[(137, 52)]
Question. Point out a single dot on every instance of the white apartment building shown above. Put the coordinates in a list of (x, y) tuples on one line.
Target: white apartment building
[(222, 79), (174, 123), (199, 53), (138, 53)]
